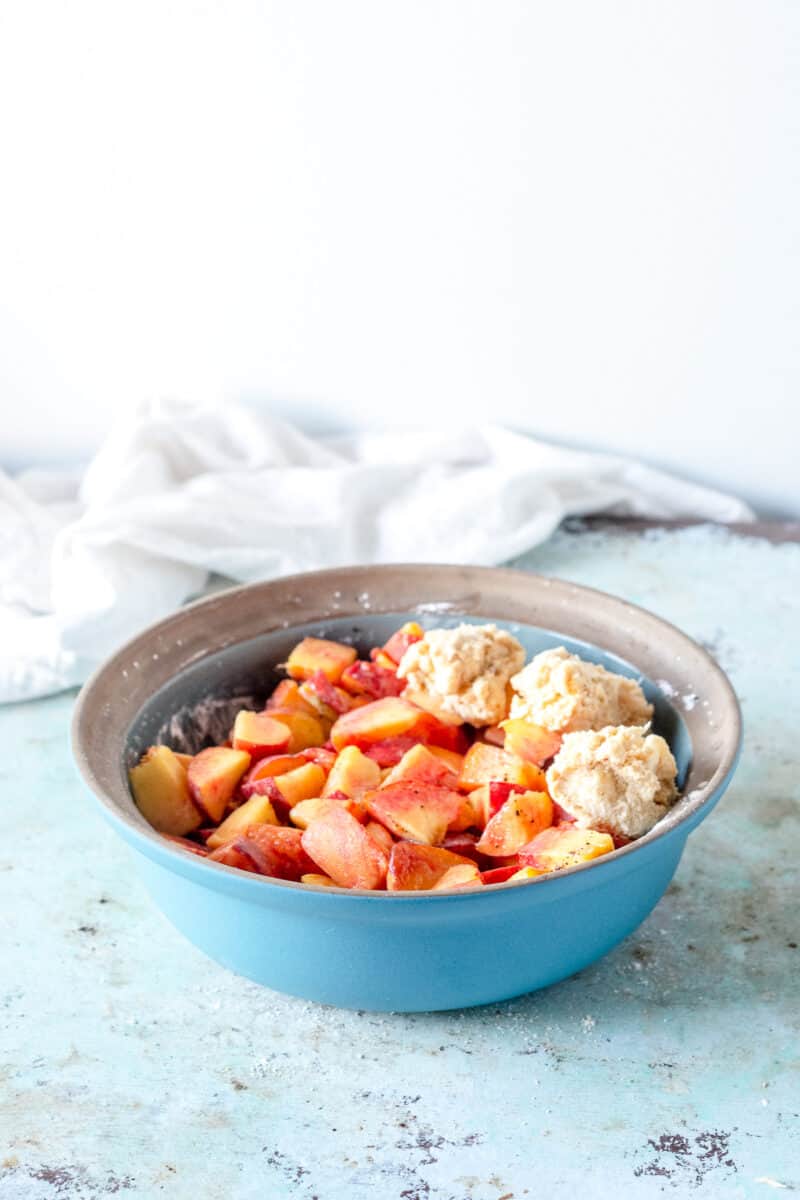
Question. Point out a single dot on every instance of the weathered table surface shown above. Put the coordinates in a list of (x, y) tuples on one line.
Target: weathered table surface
[(130, 1064)]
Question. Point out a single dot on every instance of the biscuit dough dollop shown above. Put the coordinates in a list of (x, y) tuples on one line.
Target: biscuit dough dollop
[(565, 694), (620, 779), (462, 674)]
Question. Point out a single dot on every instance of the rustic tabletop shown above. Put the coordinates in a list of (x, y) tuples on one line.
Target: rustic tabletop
[(132, 1065)]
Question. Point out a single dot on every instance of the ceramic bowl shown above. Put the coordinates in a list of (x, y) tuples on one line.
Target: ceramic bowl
[(182, 679)]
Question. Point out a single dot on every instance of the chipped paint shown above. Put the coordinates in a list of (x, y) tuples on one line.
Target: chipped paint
[(688, 1160), (131, 1065)]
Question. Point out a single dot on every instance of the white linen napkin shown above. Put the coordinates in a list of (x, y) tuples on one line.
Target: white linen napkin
[(183, 490)]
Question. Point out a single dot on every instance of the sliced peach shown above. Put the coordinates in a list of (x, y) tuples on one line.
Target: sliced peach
[(422, 766), (341, 848), (564, 846), (161, 790), (415, 868), (453, 759), (388, 751), (380, 834), (524, 873), (231, 855), (399, 642), (287, 696), (447, 737), (419, 811), (371, 679), (325, 697), (380, 719), (471, 813), (213, 776), (352, 773), (532, 742), (496, 795), (276, 851), (499, 874), (317, 880), (318, 654), (484, 763), (257, 810), (303, 783), (254, 782), (259, 735), (464, 844), (522, 816), (304, 729), (320, 755), (382, 660), (183, 759), (464, 876), (306, 811)]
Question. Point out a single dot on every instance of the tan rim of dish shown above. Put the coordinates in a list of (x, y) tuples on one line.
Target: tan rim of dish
[(117, 691)]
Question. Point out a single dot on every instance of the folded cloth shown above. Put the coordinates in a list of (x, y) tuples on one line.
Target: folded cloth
[(181, 491)]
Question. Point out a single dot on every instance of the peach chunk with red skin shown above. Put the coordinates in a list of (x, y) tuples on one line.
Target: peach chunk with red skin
[(306, 811), (352, 773), (465, 845), (417, 868), (371, 679), (389, 751), (399, 642), (564, 846), (499, 874), (325, 697), (459, 877), (213, 777), (344, 850), (421, 765), (380, 835), (418, 811), (471, 813), (522, 816), (524, 874), (303, 783), (486, 764), (259, 735), (281, 850), (254, 782), (377, 721), (305, 730), (257, 810), (288, 697), (321, 755), (272, 850), (319, 654), (160, 787), (481, 803), (230, 855), (531, 742)]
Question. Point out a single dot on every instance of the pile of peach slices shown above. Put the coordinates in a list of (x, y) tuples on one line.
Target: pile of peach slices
[(342, 781)]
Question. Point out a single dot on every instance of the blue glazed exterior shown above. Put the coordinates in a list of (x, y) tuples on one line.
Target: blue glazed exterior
[(407, 951)]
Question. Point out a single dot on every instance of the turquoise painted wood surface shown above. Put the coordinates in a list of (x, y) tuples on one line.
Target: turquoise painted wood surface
[(131, 1066)]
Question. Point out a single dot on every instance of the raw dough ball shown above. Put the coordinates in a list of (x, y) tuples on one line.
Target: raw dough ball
[(620, 779), (563, 693), (462, 674)]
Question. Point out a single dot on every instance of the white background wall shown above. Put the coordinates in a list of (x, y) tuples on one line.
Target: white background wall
[(581, 217)]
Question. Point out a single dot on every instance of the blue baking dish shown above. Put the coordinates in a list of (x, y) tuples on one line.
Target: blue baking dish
[(182, 680)]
